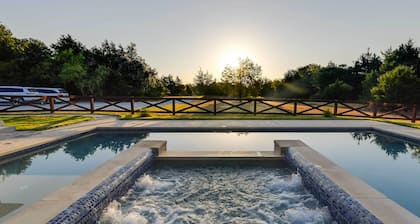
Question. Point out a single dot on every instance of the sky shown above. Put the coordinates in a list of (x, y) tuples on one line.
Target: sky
[(179, 37)]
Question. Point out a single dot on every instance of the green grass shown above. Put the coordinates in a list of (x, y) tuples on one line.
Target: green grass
[(154, 116), (38, 123), (167, 116), (401, 122)]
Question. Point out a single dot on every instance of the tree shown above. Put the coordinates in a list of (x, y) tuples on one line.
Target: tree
[(129, 73), (242, 78), (367, 63), (335, 76), (73, 70), (203, 81), (34, 65), (203, 78), (9, 45), (155, 87), (300, 83), (10, 50), (406, 54), (66, 42), (370, 81), (399, 85), (94, 82), (174, 85), (337, 90)]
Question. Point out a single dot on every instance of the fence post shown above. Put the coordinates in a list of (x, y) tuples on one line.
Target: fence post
[(294, 107), (335, 107), (255, 107), (173, 107), (214, 107), (132, 104), (92, 104), (414, 118), (375, 109), (51, 101)]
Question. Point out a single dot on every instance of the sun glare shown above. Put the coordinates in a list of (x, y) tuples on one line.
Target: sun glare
[(231, 57)]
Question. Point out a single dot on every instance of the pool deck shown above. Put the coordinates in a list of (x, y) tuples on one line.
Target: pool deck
[(13, 142)]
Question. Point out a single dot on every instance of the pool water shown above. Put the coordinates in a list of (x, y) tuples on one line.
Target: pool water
[(388, 164), (217, 195), (32, 177)]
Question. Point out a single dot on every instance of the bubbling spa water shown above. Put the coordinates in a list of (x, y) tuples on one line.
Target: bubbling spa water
[(217, 195)]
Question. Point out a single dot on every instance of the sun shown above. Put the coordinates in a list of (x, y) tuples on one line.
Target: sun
[(231, 57)]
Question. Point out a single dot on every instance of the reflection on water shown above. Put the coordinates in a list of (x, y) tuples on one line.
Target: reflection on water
[(14, 168), (392, 146), (87, 147), (103, 146)]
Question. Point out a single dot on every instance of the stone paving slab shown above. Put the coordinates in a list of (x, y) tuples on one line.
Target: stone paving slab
[(6, 129)]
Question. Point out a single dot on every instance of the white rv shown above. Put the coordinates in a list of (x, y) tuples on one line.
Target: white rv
[(17, 94)]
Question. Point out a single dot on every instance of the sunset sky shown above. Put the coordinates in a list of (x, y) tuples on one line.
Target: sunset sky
[(178, 37)]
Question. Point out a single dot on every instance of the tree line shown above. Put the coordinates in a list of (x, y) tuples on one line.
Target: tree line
[(105, 70), (394, 78), (112, 70)]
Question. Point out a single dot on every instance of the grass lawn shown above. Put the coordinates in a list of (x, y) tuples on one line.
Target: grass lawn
[(38, 123), (401, 122), (156, 116)]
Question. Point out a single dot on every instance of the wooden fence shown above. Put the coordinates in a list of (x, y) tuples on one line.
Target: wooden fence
[(214, 106)]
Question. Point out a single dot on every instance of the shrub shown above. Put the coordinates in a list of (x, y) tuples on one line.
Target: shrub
[(145, 113), (327, 113)]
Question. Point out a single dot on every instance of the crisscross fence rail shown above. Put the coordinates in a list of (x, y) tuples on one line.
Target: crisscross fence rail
[(211, 106)]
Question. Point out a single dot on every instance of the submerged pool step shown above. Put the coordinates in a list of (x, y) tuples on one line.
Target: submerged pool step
[(205, 158), (220, 158), (219, 154)]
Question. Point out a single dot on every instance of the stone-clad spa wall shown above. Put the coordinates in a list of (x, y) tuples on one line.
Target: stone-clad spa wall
[(342, 206), (88, 207)]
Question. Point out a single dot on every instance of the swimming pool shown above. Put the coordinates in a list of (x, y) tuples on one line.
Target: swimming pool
[(28, 179), (388, 164)]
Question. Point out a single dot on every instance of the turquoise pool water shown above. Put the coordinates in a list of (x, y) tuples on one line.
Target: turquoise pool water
[(32, 177), (389, 164), (222, 194)]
